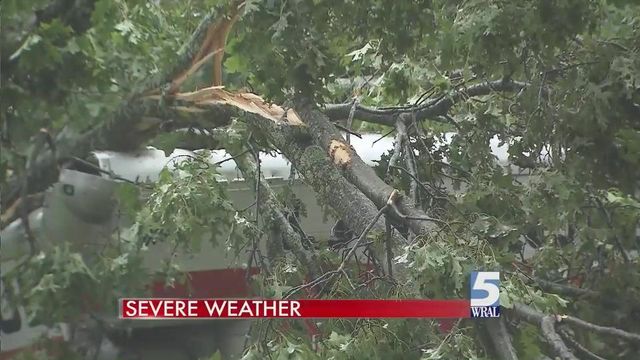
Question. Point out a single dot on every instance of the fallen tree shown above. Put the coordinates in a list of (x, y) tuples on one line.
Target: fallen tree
[(306, 135)]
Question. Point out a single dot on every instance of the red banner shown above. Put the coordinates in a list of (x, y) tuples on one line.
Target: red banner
[(257, 308)]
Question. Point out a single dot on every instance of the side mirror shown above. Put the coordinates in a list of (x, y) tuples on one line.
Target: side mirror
[(88, 197)]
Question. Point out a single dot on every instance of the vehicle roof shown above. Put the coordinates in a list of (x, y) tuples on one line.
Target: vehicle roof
[(145, 165)]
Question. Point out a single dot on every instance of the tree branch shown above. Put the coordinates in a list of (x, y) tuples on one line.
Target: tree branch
[(602, 330), (566, 290), (398, 145), (547, 327), (430, 109), (309, 160), (360, 174), (579, 347), (123, 131), (500, 339)]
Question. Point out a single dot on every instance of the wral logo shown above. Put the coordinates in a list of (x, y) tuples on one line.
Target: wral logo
[(485, 294)]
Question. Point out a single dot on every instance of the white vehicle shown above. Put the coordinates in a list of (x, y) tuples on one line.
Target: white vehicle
[(76, 209)]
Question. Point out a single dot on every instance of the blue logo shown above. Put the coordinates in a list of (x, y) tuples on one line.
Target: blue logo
[(485, 294)]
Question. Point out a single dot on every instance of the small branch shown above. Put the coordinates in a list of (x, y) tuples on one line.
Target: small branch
[(618, 244), (20, 206), (348, 131), (431, 108), (383, 136), (565, 289), (413, 176), (364, 234), (352, 112), (101, 170), (602, 330), (398, 146), (410, 161), (418, 218), (584, 352), (231, 157), (547, 326), (389, 247)]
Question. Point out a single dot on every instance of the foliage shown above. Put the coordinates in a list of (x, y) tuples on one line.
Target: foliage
[(574, 130)]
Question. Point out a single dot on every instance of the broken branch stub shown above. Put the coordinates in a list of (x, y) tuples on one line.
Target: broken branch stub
[(340, 153), (252, 103)]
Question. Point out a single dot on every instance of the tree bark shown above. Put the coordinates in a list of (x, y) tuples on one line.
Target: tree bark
[(351, 165)]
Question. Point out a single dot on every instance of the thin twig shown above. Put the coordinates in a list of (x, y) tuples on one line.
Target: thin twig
[(398, 146), (365, 232), (352, 112), (383, 136), (565, 289), (389, 247), (410, 160), (348, 131), (231, 157), (413, 176)]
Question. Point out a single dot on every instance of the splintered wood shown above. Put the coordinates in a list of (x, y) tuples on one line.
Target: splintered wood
[(340, 153), (248, 102)]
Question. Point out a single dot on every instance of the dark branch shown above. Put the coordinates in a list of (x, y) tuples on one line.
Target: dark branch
[(123, 131), (430, 109), (501, 339), (566, 290), (602, 330), (357, 172), (583, 351), (547, 327)]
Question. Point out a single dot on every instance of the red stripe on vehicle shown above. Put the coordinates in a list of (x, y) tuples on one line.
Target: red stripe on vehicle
[(10, 354), (219, 283)]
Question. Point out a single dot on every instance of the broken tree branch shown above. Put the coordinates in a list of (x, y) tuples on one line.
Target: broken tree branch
[(356, 171), (500, 339), (21, 205), (349, 203), (547, 327), (123, 131)]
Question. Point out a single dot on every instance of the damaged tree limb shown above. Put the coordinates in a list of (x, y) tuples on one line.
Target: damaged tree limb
[(359, 173), (350, 204), (547, 327), (123, 131), (500, 339)]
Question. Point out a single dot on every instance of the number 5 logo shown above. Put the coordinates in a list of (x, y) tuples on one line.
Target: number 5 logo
[(485, 288)]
